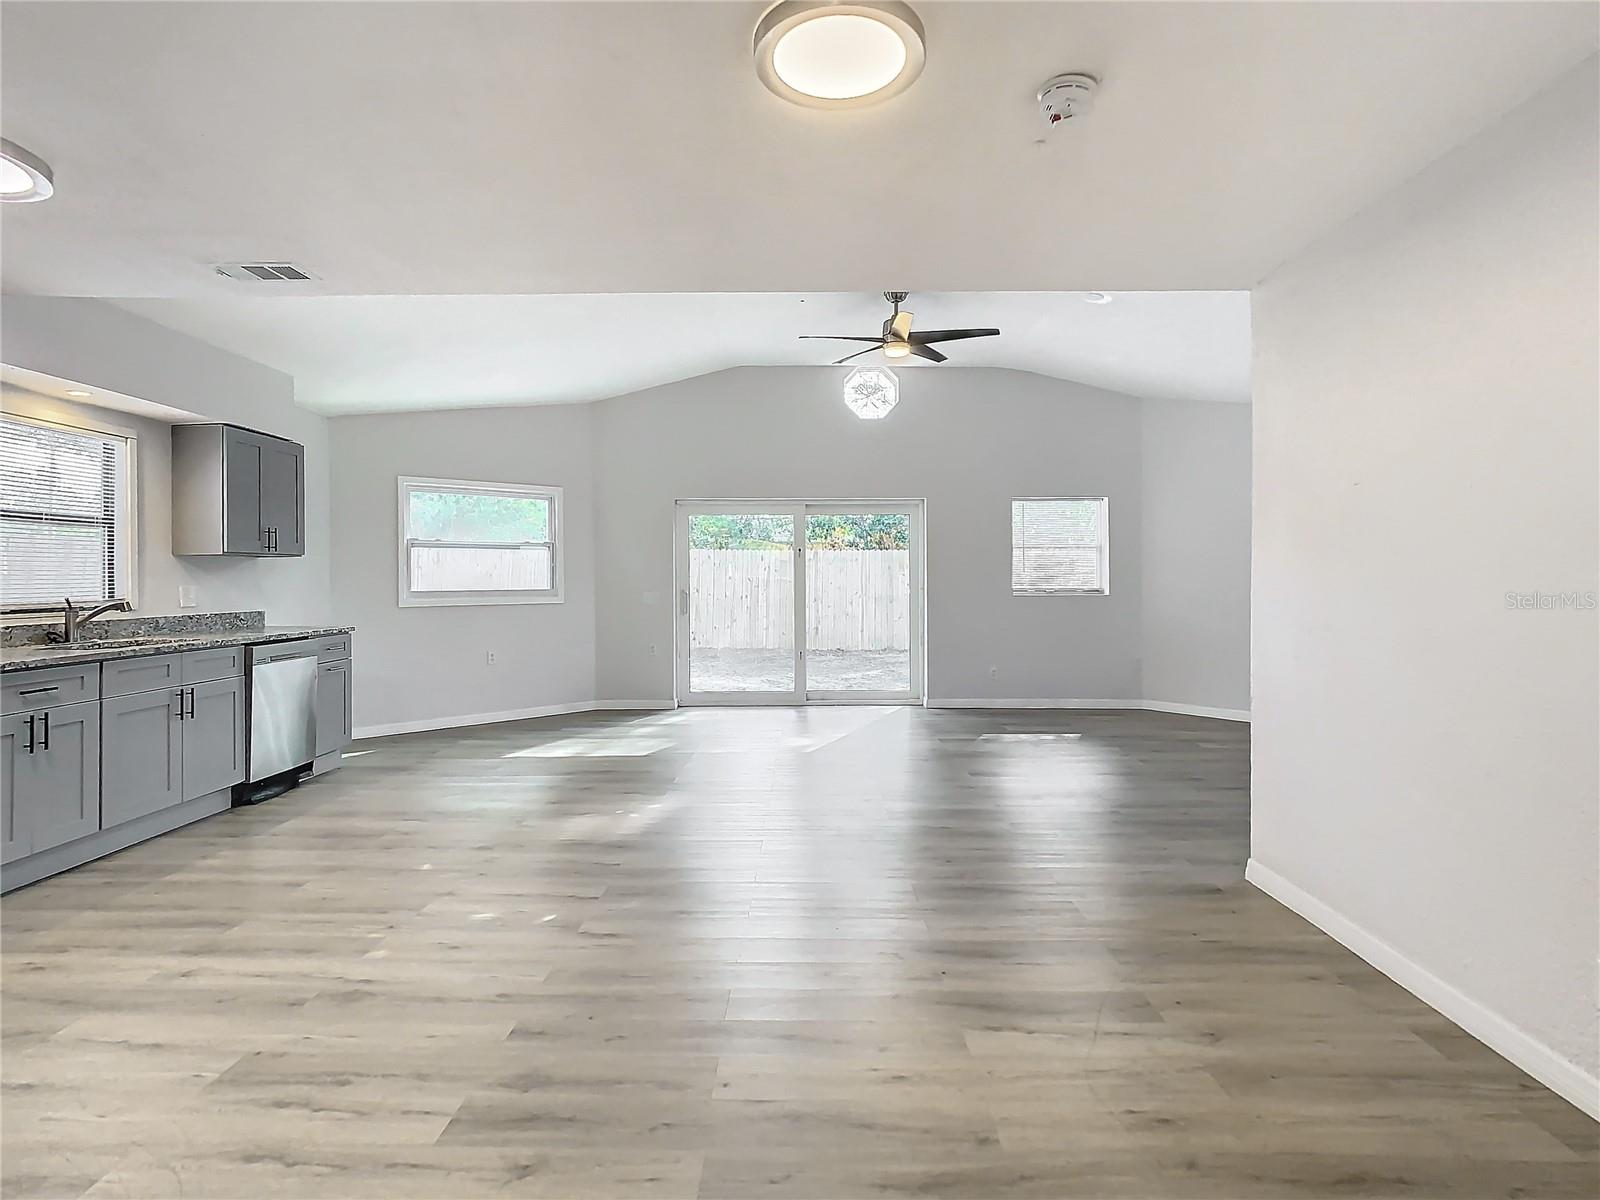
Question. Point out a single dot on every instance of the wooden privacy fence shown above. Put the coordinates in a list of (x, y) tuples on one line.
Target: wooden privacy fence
[(744, 599)]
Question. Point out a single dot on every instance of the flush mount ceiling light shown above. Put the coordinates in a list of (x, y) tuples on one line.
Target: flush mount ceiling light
[(826, 55), (871, 392), (24, 176), (1096, 298)]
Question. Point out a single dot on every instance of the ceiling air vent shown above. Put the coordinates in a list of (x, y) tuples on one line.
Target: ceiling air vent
[(265, 272)]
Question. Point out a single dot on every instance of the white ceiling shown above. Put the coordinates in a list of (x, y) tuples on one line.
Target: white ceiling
[(391, 353), (518, 148)]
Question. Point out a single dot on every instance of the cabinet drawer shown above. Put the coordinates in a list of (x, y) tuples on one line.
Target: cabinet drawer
[(202, 666), (333, 649), (49, 687), (125, 676)]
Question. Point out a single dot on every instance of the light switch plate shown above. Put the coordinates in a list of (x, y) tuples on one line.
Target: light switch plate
[(186, 595)]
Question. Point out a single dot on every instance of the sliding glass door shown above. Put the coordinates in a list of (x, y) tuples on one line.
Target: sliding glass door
[(785, 603)]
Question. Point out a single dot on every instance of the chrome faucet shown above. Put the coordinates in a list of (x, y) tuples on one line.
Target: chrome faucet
[(76, 618)]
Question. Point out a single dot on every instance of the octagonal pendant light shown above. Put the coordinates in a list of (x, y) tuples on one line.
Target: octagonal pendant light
[(24, 177), (871, 392), (827, 55)]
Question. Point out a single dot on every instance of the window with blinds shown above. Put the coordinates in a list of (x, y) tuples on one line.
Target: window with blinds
[(1058, 546), (65, 515)]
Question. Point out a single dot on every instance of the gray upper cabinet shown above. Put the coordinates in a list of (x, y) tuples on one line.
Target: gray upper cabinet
[(51, 766), (283, 494), (142, 749), (213, 737), (236, 491)]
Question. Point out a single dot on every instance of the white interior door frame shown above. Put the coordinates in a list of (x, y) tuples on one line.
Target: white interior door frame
[(798, 510)]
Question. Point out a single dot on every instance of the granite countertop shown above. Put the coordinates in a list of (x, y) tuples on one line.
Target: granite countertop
[(22, 658)]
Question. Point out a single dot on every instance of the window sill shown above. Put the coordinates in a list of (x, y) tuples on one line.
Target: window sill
[(460, 600)]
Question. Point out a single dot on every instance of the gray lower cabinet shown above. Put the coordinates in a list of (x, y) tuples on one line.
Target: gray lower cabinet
[(213, 737), (14, 841), (333, 707), (51, 772), (142, 749), (164, 747)]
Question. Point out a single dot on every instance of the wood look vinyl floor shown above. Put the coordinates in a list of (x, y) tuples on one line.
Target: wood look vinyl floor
[(815, 953)]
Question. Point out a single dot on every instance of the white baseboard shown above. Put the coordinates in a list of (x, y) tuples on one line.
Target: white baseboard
[(1198, 710), (489, 718), (1565, 1078), (1033, 703), (1191, 710), (634, 705)]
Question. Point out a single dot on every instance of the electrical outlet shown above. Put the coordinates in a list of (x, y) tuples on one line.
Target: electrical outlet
[(489, 657), (186, 595), (994, 672), (652, 649)]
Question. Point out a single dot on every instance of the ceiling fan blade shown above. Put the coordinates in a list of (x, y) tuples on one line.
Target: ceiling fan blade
[(857, 354), (901, 325), (838, 337), (927, 352), (950, 335)]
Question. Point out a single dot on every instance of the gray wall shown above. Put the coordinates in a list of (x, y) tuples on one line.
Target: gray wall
[(966, 440), (427, 667), (101, 346), (1425, 762), (1196, 547)]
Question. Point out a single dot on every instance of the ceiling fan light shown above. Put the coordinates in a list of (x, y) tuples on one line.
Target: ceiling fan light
[(896, 349), (24, 176), (870, 392), (838, 55)]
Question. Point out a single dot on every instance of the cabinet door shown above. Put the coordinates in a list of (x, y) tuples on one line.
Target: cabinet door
[(142, 744), (13, 771), (333, 707), (243, 528), (213, 737), (283, 495), (59, 799)]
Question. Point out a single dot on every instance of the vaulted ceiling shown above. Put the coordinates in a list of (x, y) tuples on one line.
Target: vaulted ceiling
[(388, 353)]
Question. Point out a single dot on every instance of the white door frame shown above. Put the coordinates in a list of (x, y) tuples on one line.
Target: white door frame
[(799, 510)]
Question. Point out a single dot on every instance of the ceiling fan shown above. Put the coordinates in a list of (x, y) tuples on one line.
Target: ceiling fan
[(897, 339)]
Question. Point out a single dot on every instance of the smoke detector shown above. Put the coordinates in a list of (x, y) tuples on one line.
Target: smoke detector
[(1066, 98), (264, 272)]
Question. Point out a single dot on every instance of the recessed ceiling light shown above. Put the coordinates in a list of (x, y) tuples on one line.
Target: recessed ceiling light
[(828, 55), (24, 176), (1096, 298), (79, 393)]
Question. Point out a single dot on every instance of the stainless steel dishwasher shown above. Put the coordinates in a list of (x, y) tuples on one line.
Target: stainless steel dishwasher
[(283, 717)]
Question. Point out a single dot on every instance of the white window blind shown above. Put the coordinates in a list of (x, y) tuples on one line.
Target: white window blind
[(65, 515), (1058, 546), (478, 543)]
